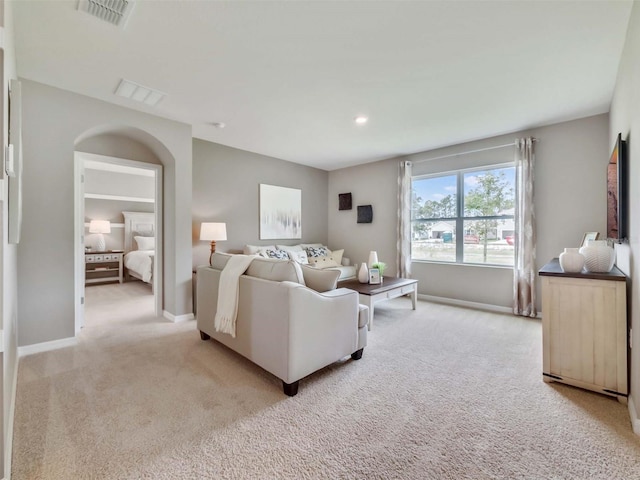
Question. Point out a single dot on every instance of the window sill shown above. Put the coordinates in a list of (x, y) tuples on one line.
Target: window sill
[(481, 265)]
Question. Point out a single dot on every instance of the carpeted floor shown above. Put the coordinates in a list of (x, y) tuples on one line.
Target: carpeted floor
[(440, 393)]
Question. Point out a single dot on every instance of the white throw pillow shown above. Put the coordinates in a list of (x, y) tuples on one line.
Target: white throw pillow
[(322, 262), (145, 243), (320, 280), (300, 257), (296, 253), (333, 259)]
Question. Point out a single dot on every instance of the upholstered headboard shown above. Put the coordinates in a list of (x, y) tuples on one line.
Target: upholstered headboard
[(137, 223)]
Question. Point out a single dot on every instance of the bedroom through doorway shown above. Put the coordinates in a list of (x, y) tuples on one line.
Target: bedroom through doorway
[(118, 205)]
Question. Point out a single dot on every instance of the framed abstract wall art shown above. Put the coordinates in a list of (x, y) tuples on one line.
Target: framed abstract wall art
[(280, 212)]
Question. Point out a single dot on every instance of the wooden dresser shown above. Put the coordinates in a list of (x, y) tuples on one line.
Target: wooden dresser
[(584, 329)]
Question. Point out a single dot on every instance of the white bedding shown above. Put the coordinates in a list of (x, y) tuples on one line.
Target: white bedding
[(140, 262)]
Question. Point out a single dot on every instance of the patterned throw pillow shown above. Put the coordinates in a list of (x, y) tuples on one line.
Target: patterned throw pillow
[(317, 252), (279, 254)]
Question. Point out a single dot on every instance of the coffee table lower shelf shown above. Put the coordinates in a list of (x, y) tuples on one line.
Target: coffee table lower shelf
[(390, 287)]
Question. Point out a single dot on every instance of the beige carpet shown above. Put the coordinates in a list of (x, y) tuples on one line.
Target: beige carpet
[(440, 393)]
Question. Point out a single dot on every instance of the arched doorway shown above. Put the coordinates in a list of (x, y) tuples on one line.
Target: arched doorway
[(117, 150)]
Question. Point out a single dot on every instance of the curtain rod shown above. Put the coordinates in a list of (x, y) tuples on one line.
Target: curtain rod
[(512, 144)]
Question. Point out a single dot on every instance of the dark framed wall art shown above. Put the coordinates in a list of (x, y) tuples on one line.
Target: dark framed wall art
[(365, 214)]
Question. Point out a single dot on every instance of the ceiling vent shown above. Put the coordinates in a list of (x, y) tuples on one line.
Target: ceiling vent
[(139, 93), (116, 12)]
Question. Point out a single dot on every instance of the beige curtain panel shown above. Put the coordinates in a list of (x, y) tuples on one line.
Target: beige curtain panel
[(524, 271), (404, 220)]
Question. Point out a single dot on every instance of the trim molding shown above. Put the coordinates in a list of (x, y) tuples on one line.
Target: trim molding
[(178, 318), (46, 346), (122, 198), (465, 303), (8, 447), (633, 414)]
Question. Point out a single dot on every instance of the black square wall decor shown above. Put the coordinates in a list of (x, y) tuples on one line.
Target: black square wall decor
[(344, 201), (365, 214)]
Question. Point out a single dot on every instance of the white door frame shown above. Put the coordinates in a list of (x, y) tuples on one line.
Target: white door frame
[(79, 158)]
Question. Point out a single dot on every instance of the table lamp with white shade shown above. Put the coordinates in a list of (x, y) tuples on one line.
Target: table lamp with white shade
[(213, 231), (99, 227)]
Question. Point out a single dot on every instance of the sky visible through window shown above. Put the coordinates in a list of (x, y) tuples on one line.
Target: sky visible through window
[(436, 188)]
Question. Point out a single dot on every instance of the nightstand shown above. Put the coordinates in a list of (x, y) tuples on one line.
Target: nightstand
[(102, 267)]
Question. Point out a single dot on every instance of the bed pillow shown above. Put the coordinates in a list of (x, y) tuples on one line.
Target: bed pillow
[(145, 243)]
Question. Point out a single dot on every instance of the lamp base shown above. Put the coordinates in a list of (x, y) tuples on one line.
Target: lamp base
[(101, 246), (213, 250)]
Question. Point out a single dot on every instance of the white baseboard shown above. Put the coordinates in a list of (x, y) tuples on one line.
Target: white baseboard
[(178, 318), (8, 445), (633, 414), (465, 303), (46, 346)]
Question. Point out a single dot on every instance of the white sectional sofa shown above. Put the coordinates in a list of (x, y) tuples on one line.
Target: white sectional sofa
[(291, 319), (315, 255)]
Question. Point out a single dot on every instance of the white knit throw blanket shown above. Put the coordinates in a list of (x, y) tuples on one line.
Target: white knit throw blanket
[(228, 292)]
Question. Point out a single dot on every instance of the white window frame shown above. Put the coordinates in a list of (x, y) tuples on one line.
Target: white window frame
[(460, 218)]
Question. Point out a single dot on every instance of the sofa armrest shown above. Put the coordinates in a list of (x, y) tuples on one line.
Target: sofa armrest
[(337, 292), (363, 315), (323, 327)]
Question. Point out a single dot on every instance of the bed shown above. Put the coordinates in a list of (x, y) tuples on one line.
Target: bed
[(139, 245)]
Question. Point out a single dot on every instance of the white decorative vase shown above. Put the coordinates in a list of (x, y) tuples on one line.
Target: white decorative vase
[(373, 258), (571, 260), (363, 274), (598, 256)]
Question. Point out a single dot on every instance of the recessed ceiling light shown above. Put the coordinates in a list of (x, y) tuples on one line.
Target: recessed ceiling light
[(361, 119), (219, 124)]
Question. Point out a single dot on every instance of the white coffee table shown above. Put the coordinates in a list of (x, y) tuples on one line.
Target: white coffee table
[(390, 287)]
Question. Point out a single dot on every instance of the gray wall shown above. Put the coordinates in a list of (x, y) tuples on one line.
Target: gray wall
[(625, 119), (55, 123), (571, 162), (8, 261), (118, 184), (372, 184), (226, 189)]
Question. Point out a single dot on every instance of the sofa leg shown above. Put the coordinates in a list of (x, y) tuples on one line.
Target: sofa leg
[(290, 389), (204, 336), (357, 355)]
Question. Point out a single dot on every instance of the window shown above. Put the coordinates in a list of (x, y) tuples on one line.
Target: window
[(464, 217)]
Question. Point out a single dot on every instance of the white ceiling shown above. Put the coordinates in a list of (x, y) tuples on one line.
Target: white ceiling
[(288, 77)]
